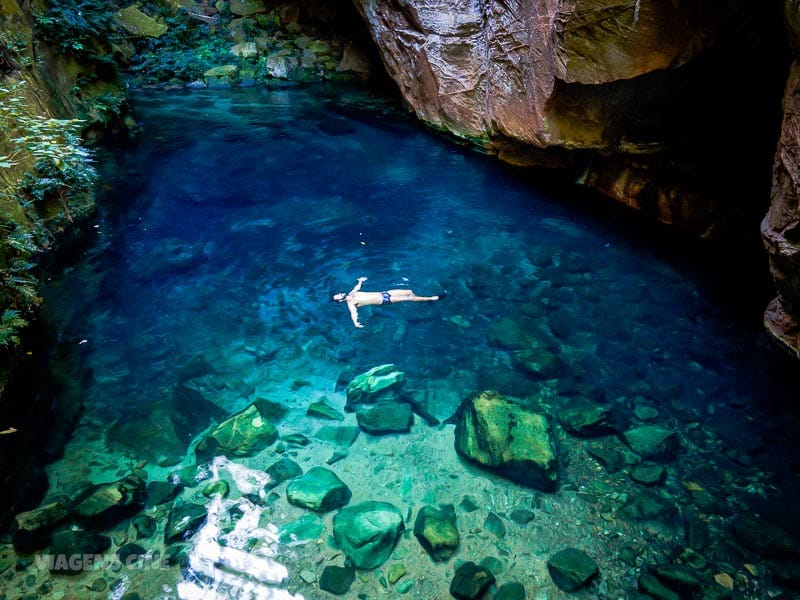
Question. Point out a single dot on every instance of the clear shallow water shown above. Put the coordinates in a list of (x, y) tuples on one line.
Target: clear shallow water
[(227, 227)]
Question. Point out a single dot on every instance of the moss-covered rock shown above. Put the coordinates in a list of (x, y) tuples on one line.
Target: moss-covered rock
[(319, 490), (503, 436), (135, 22), (571, 568), (242, 434), (436, 530), (374, 385)]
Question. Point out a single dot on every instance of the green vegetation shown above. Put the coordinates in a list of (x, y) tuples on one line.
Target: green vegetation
[(57, 172), (76, 28)]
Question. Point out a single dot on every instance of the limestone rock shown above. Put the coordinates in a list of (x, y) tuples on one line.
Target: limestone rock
[(242, 434), (184, 520), (367, 532), (780, 229), (245, 50), (648, 474), (319, 490), (470, 581), (374, 385), (135, 22), (571, 568), (106, 503), (652, 441), (612, 454), (32, 530), (385, 417), (436, 530), (504, 437)]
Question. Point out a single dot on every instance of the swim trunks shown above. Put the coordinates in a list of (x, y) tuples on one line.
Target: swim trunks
[(386, 298)]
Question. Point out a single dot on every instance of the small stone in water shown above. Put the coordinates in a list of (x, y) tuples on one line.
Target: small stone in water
[(308, 576)]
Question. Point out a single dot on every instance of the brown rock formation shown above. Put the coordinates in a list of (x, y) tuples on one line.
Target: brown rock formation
[(614, 89), (780, 229)]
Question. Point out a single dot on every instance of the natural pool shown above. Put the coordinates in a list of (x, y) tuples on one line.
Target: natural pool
[(222, 234)]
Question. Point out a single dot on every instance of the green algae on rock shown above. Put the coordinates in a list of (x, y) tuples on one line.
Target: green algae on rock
[(504, 437), (436, 530), (242, 434), (137, 23), (470, 581)]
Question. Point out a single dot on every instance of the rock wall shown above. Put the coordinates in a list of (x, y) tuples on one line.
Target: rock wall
[(669, 106), (635, 96), (780, 228)]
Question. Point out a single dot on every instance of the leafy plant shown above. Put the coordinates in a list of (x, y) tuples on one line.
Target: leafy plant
[(75, 27), (59, 172)]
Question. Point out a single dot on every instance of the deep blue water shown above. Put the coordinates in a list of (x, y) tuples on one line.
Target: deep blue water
[(225, 228)]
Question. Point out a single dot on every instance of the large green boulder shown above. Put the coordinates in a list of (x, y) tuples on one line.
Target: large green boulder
[(242, 434), (503, 436), (319, 490), (436, 530), (245, 8), (376, 384), (367, 532)]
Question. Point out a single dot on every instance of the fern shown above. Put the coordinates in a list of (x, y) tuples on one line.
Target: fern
[(10, 323)]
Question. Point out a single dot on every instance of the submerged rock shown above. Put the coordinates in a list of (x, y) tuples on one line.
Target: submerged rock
[(281, 471), (509, 439), (105, 503), (650, 585), (33, 529), (586, 419), (510, 591), (612, 454), (385, 417), (571, 568), (183, 522), (337, 580), (367, 532), (652, 441), (319, 489), (304, 529), (323, 410), (161, 492), (436, 530), (763, 537), (343, 435), (470, 581), (376, 384), (242, 434), (73, 551)]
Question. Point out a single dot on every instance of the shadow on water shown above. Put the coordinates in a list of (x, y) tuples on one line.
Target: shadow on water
[(222, 234)]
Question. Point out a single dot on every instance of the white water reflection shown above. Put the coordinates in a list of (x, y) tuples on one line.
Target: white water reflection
[(240, 563)]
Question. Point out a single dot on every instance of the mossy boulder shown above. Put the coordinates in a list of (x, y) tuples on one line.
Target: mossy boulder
[(135, 22), (319, 490), (436, 530), (245, 8), (586, 419), (470, 581), (367, 532), (242, 434), (374, 385), (222, 75), (503, 436)]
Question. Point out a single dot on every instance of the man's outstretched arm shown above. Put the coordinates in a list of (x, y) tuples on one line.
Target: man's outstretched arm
[(354, 314), (358, 285)]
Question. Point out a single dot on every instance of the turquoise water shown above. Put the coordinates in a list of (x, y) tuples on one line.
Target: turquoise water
[(222, 234)]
